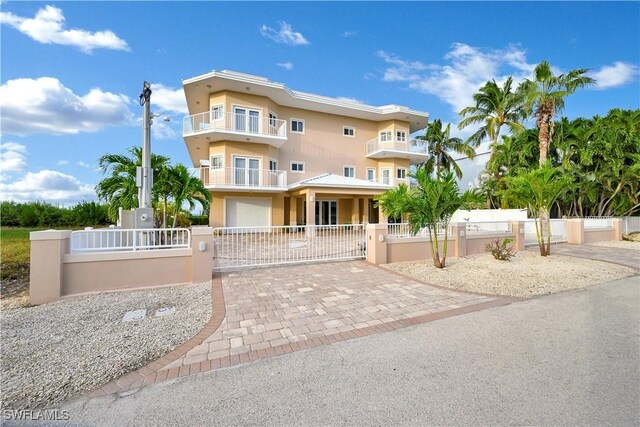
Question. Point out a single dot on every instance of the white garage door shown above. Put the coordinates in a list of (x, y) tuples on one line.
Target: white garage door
[(247, 212)]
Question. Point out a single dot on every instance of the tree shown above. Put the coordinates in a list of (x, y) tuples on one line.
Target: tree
[(439, 143), (537, 190), (545, 95), (186, 189), (119, 188), (430, 205)]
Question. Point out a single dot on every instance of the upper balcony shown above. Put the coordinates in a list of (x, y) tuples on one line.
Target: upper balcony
[(379, 148), (247, 126), (243, 179)]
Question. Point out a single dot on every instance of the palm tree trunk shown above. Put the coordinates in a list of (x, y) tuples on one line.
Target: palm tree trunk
[(164, 213), (543, 139)]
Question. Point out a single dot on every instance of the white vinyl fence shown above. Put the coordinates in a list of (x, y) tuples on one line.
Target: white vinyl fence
[(238, 247), (116, 239), (630, 224), (558, 231), (404, 230), (598, 222)]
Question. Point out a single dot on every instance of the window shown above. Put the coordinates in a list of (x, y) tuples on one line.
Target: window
[(297, 167), (401, 173), (385, 136), (273, 119), (297, 125), (350, 171), (273, 165), (216, 162), (386, 176), (217, 112), (371, 174), (401, 136), (349, 131)]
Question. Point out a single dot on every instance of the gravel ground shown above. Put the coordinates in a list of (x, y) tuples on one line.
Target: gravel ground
[(526, 275), (57, 350), (622, 244)]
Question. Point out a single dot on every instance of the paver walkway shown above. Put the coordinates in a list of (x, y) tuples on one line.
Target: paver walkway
[(272, 311), (626, 257)]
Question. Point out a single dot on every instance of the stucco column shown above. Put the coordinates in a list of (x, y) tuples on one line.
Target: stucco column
[(517, 228), (311, 213), (575, 231), (365, 210), (617, 229), (458, 235), (355, 213), (293, 211), (377, 243), (201, 254), (46, 278)]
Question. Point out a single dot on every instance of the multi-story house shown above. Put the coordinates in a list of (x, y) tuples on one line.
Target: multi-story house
[(275, 156)]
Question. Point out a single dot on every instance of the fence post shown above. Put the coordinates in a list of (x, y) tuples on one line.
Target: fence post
[(377, 243), (458, 233), (575, 231), (201, 254), (517, 228), (617, 229), (46, 270)]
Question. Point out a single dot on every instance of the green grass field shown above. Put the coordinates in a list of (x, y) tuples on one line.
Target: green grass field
[(15, 245)]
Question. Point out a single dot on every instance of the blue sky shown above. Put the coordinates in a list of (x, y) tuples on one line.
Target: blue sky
[(72, 71)]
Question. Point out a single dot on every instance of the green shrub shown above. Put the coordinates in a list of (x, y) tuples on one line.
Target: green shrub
[(501, 249)]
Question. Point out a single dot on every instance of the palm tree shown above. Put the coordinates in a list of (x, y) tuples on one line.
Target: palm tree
[(119, 188), (495, 107), (430, 204), (187, 189), (439, 144), (544, 96)]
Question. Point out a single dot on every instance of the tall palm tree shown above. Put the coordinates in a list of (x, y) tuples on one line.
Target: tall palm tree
[(545, 95), (439, 144), (187, 189), (495, 107), (119, 188)]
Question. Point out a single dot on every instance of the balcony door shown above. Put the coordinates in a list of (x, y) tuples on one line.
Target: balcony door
[(326, 212), (246, 171), (247, 120)]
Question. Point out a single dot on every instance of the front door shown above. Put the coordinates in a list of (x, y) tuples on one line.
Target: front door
[(247, 120), (246, 171), (326, 212)]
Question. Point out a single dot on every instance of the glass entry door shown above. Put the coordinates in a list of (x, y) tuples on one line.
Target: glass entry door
[(326, 212), (247, 120), (246, 171)]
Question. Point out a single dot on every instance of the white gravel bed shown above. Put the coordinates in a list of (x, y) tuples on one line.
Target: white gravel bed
[(526, 275), (622, 244), (57, 350)]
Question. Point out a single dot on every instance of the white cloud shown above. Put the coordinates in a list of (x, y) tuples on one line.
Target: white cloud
[(167, 99), (617, 74), (346, 98), (62, 162), (12, 157), (83, 164), (45, 105), (47, 185), (286, 35), (348, 34), (162, 130), (48, 27), (286, 65)]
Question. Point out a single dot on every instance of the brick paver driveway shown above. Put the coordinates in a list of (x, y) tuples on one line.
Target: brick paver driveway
[(272, 311)]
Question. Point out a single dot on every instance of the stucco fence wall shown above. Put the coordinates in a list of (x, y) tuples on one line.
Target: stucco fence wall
[(56, 273), (383, 249)]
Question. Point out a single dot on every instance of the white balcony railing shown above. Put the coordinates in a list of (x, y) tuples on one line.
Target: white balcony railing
[(243, 177), (390, 180), (118, 239), (377, 144), (235, 123)]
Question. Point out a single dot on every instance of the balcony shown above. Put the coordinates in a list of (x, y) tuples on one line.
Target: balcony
[(236, 127), (389, 149), (243, 179), (390, 180)]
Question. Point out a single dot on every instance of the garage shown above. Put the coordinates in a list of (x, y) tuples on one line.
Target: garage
[(247, 211)]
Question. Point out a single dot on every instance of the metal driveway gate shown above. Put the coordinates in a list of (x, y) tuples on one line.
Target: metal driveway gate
[(238, 247)]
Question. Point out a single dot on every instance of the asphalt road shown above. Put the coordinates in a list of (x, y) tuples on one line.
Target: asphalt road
[(565, 359)]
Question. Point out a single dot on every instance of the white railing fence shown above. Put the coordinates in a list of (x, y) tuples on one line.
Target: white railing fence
[(598, 222), (558, 231), (234, 122), (630, 224), (243, 177), (488, 227), (116, 239), (238, 247), (376, 145), (404, 230)]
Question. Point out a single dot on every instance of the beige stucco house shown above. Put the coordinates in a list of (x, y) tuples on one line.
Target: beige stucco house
[(275, 156)]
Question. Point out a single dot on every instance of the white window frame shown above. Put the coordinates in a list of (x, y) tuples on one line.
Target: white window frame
[(344, 172), (404, 173), (298, 163), (373, 178), (247, 119), (216, 112), (212, 163), (275, 162), (304, 126), (401, 136), (350, 128), (382, 171), (386, 136)]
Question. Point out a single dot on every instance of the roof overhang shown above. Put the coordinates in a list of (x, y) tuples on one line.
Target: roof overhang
[(197, 91)]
